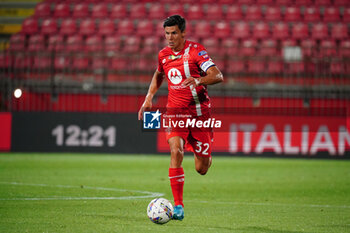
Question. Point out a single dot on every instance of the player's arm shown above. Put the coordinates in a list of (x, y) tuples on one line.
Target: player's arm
[(156, 82), (213, 76)]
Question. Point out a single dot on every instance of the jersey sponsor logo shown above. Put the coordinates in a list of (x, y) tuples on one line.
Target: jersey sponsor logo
[(172, 57), (175, 76), (201, 53), (205, 65), (186, 57)]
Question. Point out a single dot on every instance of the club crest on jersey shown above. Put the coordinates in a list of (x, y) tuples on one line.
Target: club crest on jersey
[(173, 57), (174, 76), (201, 53)]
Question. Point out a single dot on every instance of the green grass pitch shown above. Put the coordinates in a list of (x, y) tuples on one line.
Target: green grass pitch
[(103, 193)]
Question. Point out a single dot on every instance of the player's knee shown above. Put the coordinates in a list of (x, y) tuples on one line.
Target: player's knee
[(177, 152)]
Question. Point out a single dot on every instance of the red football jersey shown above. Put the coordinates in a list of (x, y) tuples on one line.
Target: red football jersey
[(191, 61)]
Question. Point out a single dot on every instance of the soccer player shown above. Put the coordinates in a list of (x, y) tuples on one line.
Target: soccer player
[(189, 70)]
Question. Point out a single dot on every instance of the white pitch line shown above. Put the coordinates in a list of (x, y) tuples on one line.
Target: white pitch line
[(146, 194), (273, 204)]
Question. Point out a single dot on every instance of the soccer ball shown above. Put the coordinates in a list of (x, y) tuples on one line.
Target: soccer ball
[(160, 210)]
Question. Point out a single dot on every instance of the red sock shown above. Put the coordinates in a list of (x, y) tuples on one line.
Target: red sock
[(177, 180)]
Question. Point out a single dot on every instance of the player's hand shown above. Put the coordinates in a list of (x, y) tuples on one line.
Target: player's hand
[(190, 82), (146, 106)]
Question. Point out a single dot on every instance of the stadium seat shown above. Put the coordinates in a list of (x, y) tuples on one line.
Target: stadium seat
[(268, 47), (328, 48), (30, 26), (99, 62), (132, 44), (339, 31), (80, 10), (280, 31), (245, 2), (176, 9), (202, 29), (337, 67), (253, 13), (125, 27), (339, 3), (344, 48), (195, 12), (20, 61), (319, 31), (106, 27), (214, 12), (55, 43), (94, 44), (323, 3), (292, 14), (294, 67), (118, 11), (68, 26), (119, 64), (87, 27), (81, 62), (346, 15), (299, 3), (288, 42), (248, 47), (261, 30), (49, 26), (99, 10), (230, 46), (212, 46), (150, 45), (284, 2), (36, 43), (300, 31), (273, 13), (265, 2), (62, 62), (112, 44), (41, 62), (42, 10), (144, 28), (234, 12), (222, 29), (309, 47), (74, 43), (256, 66), (241, 30), (274, 67), (61, 10), (331, 14), (138, 11), (156, 11), (312, 14), (236, 66)]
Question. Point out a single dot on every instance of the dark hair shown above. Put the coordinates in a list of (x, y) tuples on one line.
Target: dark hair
[(175, 20)]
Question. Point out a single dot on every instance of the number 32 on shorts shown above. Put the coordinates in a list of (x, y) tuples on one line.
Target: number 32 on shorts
[(202, 148)]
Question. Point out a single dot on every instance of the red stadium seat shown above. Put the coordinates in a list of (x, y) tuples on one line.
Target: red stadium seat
[(245, 2), (341, 3), (138, 11), (268, 48), (98, 63), (265, 2), (256, 66), (81, 62), (125, 27), (195, 12), (280, 31), (119, 63), (261, 30), (331, 14), (234, 12), (150, 45), (36, 43), (132, 44), (284, 2), (118, 11), (214, 12), (274, 67), (308, 47), (303, 2), (80, 10), (145, 28), (241, 30), (30, 26), (41, 62), (292, 14), (61, 62), (344, 48), (21, 61), (339, 31), (49, 26), (176, 9), (68, 26), (346, 15), (236, 66), (319, 31), (94, 43), (74, 43), (248, 47), (156, 11), (212, 46), (112, 43), (253, 13), (106, 27), (328, 48), (222, 29), (61, 10), (300, 31), (99, 10), (312, 14), (42, 10), (337, 67), (87, 27), (230, 46), (273, 13), (55, 43), (323, 2), (203, 29)]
